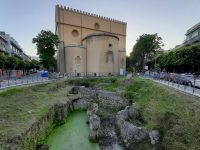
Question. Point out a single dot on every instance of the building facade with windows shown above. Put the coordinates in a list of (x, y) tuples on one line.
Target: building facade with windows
[(3, 44), (192, 35), (10, 46), (90, 44)]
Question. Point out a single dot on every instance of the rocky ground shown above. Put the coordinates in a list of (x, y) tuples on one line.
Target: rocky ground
[(113, 121)]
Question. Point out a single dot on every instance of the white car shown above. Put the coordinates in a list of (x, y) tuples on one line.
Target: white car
[(197, 83)]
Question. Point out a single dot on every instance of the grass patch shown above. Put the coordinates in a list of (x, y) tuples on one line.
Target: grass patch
[(21, 107), (175, 114), (11, 91), (107, 83)]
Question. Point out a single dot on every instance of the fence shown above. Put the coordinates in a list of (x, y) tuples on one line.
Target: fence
[(183, 82), (89, 74), (9, 78)]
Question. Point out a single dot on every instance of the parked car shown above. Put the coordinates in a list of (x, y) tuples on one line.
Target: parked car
[(171, 77), (197, 83), (176, 78), (194, 82), (189, 80)]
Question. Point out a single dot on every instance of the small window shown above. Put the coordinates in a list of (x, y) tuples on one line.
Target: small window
[(109, 57), (77, 60), (74, 33), (109, 45), (122, 62), (96, 26)]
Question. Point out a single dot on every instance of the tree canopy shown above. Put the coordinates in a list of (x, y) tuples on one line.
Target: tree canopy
[(12, 62), (186, 59), (46, 41), (3, 60), (146, 45)]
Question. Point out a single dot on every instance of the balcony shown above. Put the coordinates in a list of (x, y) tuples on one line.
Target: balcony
[(192, 40), (2, 48)]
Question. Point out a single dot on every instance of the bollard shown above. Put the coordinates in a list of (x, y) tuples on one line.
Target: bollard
[(193, 86), (8, 81), (185, 86)]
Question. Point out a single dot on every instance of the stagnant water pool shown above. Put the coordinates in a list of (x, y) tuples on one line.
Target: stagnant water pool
[(73, 135)]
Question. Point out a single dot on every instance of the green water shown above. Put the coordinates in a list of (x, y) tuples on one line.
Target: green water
[(73, 135)]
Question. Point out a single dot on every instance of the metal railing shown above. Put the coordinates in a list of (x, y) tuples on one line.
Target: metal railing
[(89, 74), (186, 83), (192, 40), (7, 79), (11, 82)]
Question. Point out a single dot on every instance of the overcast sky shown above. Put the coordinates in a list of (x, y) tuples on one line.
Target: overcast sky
[(24, 19)]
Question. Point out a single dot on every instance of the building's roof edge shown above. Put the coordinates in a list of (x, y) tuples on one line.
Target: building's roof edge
[(122, 50), (100, 34), (195, 27), (73, 45), (89, 14)]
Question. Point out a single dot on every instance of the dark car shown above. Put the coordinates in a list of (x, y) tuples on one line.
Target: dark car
[(186, 79)]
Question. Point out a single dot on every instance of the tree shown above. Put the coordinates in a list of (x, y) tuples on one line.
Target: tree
[(185, 59), (129, 67), (11, 63), (146, 45), (3, 60), (45, 42), (21, 64), (35, 64)]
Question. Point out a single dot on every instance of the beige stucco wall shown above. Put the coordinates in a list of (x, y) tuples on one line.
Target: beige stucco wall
[(68, 20), (122, 59), (72, 39), (60, 58), (96, 49), (71, 53), (89, 21)]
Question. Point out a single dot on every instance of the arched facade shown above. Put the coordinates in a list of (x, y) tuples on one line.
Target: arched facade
[(102, 58)]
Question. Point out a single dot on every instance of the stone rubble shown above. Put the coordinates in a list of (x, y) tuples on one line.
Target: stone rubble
[(117, 121)]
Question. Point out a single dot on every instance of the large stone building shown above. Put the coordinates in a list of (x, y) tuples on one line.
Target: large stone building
[(90, 44)]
